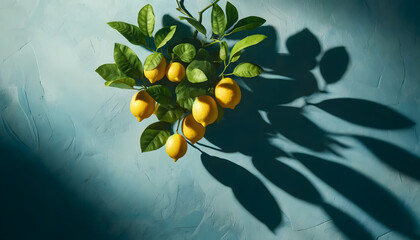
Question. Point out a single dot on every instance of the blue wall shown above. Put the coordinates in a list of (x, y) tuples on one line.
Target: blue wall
[(324, 144)]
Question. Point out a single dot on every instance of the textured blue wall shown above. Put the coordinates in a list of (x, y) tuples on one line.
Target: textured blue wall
[(308, 153)]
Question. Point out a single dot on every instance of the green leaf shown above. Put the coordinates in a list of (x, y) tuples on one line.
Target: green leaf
[(186, 92), (203, 54), (220, 113), (247, 23), (110, 72), (160, 93), (185, 52), (246, 42), (152, 61), (130, 32), (146, 20), (164, 35), (223, 50), (218, 20), (127, 61), (199, 71), (124, 83), (155, 136), (247, 70), (168, 113), (236, 57), (197, 25), (231, 15)]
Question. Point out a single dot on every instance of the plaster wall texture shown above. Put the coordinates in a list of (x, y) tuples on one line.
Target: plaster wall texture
[(304, 156)]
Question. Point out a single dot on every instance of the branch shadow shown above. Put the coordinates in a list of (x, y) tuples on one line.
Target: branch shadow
[(290, 78)]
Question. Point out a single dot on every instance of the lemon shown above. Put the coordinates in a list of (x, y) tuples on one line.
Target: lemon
[(142, 105), (204, 110), (157, 73), (192, 130), (176, 146), (175, 72), (228, 93)]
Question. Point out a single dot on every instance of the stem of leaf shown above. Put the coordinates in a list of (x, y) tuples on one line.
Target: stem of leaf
[(183, 10), (200, 15), (211, 43), (179, 121), (226, 65)]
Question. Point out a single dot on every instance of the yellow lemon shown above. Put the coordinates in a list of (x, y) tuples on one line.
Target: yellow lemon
[(176, 146), (192, 130), (142, 105), (228, 93), (157, 73), (204, 110), (175, 72)]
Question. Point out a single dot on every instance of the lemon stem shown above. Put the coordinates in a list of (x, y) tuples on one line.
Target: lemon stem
[(200, 15), (179, 121)]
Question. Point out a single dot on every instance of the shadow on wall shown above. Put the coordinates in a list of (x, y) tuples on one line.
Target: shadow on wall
[(34, 205), (291, 79)]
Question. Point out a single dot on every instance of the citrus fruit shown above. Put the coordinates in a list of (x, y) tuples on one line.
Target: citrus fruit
[(157, 73), (228, 93), (192, 130), (204, 110), (175, 72), (176, 146), (142, 105)]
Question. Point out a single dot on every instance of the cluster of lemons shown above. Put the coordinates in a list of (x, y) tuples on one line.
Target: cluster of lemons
[(204, 109)]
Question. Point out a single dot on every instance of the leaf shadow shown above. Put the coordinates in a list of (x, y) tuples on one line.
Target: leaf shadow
[(255, 197), (290, 78), (365, 113), (395, 157), (359, 189)]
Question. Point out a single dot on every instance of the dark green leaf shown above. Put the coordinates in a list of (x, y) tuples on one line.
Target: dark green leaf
[(146, 20), (218, 20), (152, 61), (160, 93), (247, 70), (203, 54), (185, 52), (124, 83), (199, 71), (164, 35), (127, 61), (231, 14), (186, 92), (130, 32), (247, 23), (155, 136), (246, 42), (168, 113), (197, 25), (223, 50), (110, 72)]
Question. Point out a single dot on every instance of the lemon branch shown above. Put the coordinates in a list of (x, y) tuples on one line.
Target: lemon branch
[(179, 121), (200, 15)]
